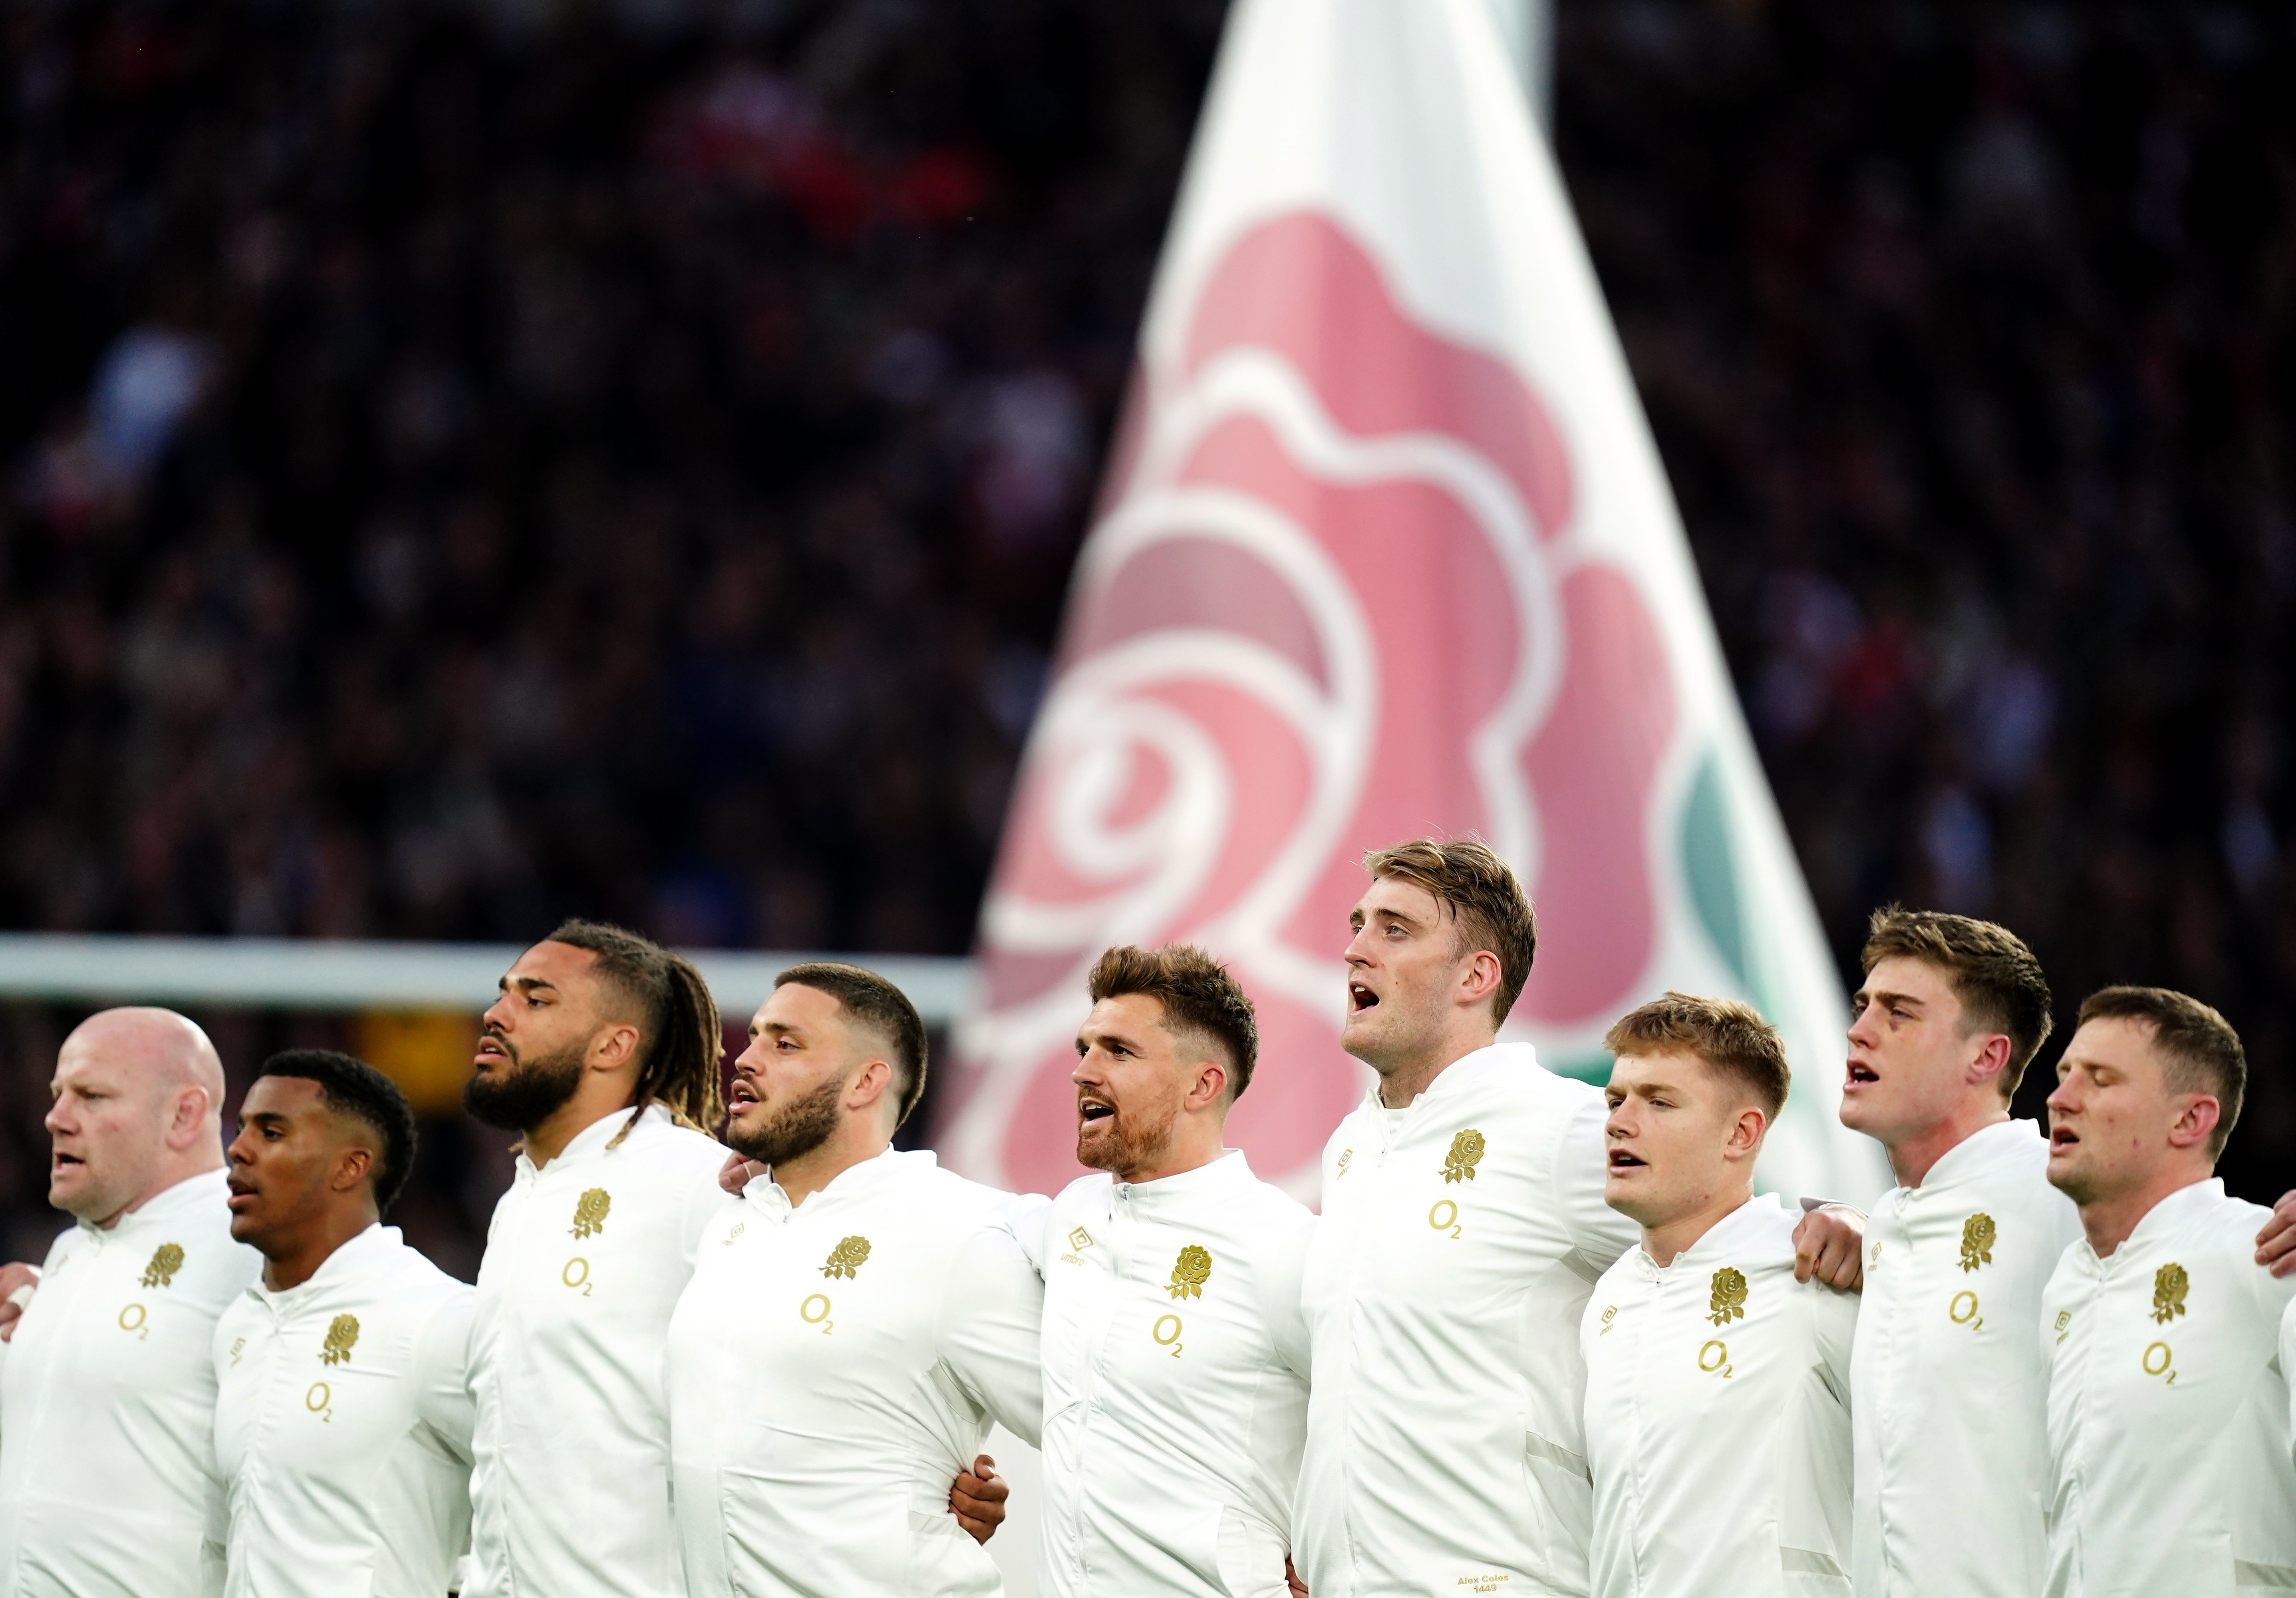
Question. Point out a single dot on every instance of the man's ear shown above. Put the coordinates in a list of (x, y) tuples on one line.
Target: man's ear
[(187, 1117), (1479, 979), (1991, 1058), (1746, 1132), (352, 1166), (1207, 1086), (614, 1044), (871, 1082), (2195, 1123)]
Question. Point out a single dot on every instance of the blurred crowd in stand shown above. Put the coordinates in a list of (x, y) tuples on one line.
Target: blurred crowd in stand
[(1969, 336), (462, 463)]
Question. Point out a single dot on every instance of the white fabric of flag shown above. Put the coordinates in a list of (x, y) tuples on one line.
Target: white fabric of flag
[(1385, 549)]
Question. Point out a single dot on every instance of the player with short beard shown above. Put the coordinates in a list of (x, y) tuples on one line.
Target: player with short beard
[(855, 1321), (1171, 1287), (2170, 1464)]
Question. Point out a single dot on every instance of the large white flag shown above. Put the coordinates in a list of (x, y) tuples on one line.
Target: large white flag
[(1385, 550)]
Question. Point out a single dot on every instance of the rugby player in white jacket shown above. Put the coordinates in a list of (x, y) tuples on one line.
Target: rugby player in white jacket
[(2170, 1444), (604, 1053), (1462, 1230), (855, 1321), (1175, 1352), (342, 1422), (107, 1392), (1717, 1386), (1947, 1380)]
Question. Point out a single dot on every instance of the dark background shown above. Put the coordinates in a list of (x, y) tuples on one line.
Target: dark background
[(463, 463)]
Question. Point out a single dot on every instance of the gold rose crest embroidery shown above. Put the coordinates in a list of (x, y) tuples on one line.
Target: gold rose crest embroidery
[(1729, 1296), (590, 1212), (1191, 1272), (166, 1259), (1976, 1236), (847, 1257), (1466, 1153), (2168, 1285), (340, 1336)]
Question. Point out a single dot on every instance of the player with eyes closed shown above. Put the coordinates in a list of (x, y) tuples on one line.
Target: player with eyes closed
[(342, 1421), (1175, 1355), (1717, 1386), (2168, 1423)]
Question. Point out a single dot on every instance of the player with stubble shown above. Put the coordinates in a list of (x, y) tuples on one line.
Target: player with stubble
[(1464, 1224)]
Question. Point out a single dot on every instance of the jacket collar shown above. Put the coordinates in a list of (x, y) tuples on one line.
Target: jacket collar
[(170, 1207), (1225, 1174), (355, 1259), (1464, 1072), (594, 1138), (1987, 1149)]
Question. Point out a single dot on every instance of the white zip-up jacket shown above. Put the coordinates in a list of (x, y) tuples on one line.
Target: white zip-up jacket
[(585, 1257), (107, 1406), (1949, 1387), (1718, 1418), (1459, 1240), (2288, 1366), (1176, 1362), (832, 1368), (2169, 1410), (343, 1428)]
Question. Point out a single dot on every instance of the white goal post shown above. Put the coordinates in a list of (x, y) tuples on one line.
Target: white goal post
[(285, 973)]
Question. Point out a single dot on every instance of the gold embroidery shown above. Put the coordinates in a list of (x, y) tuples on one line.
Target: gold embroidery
[(2168, 1285), (1191, 1272), (1466, 1153), (1078, 1238), (847, 1257), (1341, 1170), (1729, 1296), (166, 1259), (340, 1336), (1976, 1236), (590, 1214)]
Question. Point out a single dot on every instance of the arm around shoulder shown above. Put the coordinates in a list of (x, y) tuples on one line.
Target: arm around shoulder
[(991, 1323)]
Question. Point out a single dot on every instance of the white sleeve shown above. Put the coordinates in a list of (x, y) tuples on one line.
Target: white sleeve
[(1599, 1233), (992, 1322), (443, 1404), (1283, 1305), (1835, 1313), (1028, 1217), (2288, 1368)]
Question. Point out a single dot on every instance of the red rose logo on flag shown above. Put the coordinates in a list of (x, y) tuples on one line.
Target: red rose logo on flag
[(1334, 602)]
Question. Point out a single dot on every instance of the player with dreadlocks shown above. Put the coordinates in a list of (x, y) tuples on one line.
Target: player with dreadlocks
[(603, 1053)]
